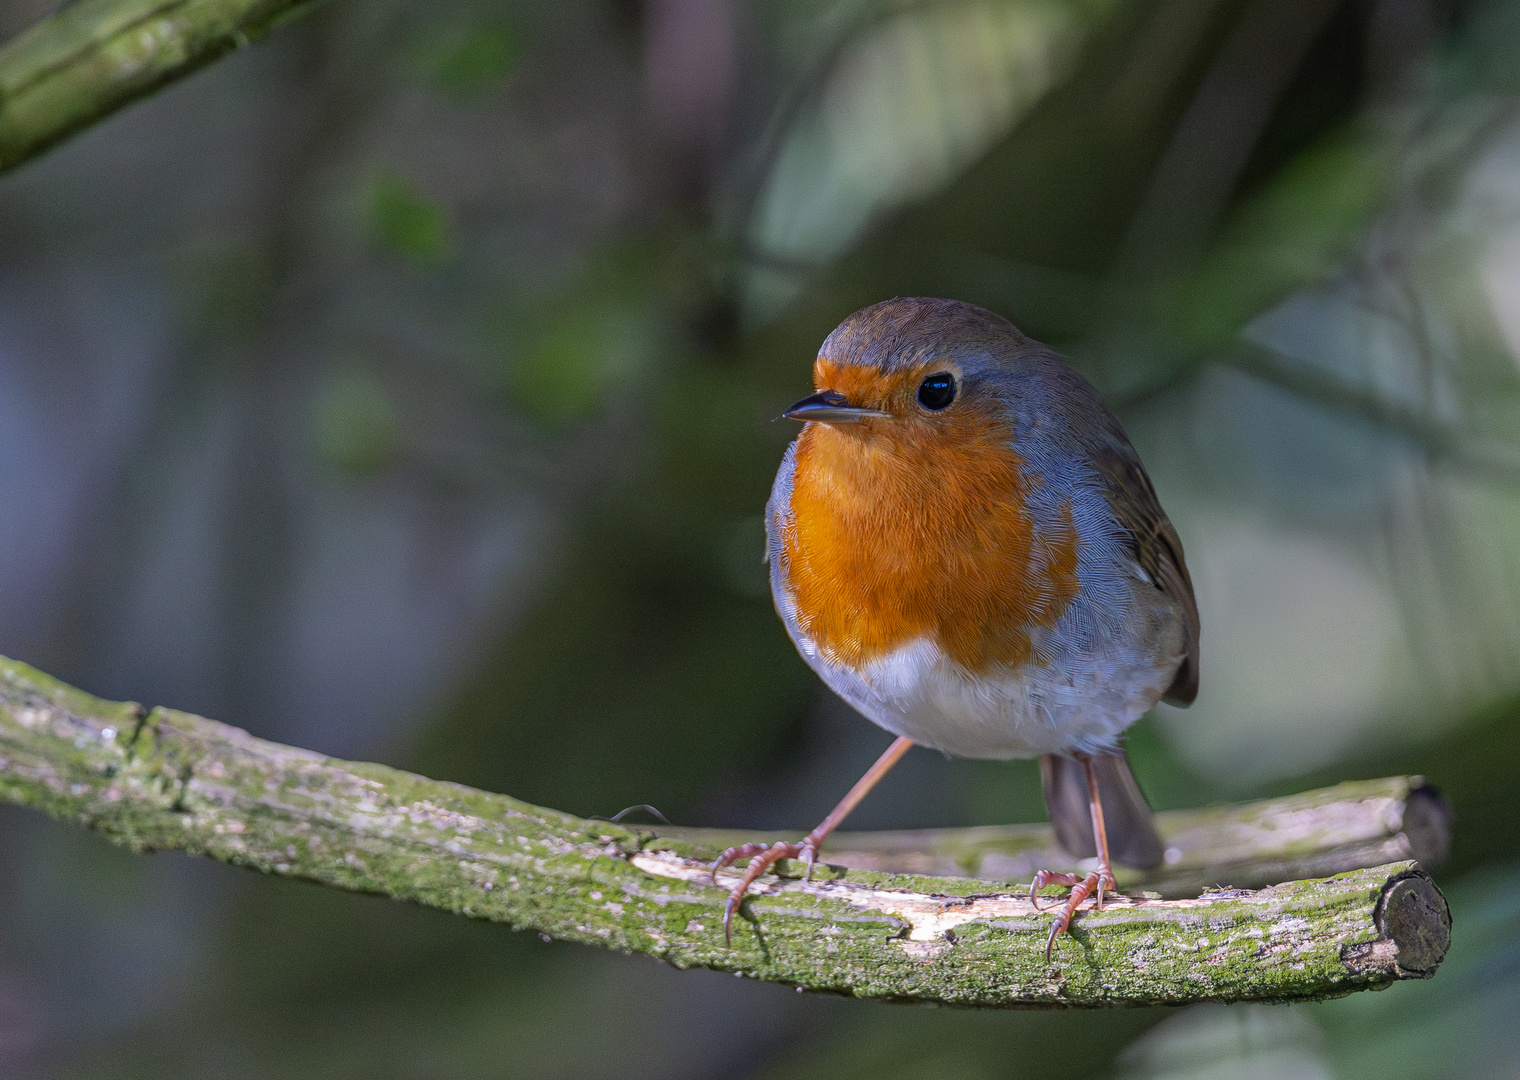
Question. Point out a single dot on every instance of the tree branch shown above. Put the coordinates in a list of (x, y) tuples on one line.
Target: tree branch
[(94, 56), (1350, 826), (1494, 459), (170, 780)]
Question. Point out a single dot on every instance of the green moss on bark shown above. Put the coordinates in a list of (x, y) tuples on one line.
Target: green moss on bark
[(171, 780)]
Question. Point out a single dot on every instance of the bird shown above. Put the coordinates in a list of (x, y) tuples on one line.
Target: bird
[(965, 547)]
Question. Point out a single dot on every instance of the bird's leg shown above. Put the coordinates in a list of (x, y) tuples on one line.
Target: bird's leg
[(763, 856), (1081, 887)]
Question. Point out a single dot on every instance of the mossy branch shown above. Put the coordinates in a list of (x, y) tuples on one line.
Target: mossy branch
[(1350, 826), (94, 56), (170, 780)]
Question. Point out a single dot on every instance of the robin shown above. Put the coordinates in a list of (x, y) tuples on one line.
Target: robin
[(964, 545)]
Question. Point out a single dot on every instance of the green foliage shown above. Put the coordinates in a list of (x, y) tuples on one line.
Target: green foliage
[(899, 107), (355, 423), (403, 219), (571, 366), (1294, 232), (225, 288), (606, 331), (465, 61)]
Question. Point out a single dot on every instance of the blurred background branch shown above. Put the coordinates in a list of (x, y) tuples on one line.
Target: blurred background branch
[(88, 60), (1495, 460), (170, 780)]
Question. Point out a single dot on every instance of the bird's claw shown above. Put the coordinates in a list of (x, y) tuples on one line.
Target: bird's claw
[(1081, 888), (761, 858)]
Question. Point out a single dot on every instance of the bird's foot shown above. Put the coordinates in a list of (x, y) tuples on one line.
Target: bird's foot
[(761, 858), (1081, 888)]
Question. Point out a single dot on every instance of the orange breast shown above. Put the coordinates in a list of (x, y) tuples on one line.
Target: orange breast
[(905, 533)]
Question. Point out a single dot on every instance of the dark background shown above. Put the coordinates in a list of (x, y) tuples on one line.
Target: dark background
[(403, 387)]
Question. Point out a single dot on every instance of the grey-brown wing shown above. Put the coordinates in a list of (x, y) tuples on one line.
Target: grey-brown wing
[(1158, 550)]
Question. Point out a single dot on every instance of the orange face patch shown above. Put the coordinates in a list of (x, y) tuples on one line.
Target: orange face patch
[(915, 527)]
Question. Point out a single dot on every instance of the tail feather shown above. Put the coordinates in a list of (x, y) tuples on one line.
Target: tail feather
[(1132, 837)]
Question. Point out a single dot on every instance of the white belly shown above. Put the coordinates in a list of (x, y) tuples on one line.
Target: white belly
[(919, 693)]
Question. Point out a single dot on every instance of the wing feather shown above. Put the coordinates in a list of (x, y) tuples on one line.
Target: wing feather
[(1157, 549)]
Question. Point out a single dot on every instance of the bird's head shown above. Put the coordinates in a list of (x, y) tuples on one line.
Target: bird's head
[(913, 373)]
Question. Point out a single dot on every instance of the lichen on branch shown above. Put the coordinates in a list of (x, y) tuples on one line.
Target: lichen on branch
[(170, 780), (1352, 825)]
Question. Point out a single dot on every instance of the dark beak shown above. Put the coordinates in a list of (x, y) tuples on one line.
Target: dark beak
[(831, 407)]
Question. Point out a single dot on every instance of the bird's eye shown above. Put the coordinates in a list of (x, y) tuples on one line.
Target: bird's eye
[(937, 391)]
